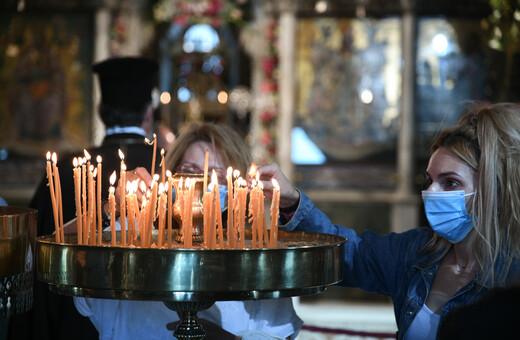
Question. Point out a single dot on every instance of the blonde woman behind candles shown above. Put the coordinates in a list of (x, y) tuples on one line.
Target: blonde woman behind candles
[(251, 319)]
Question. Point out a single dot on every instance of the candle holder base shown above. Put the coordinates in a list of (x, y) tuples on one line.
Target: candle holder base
[(195, 239), (189, 328)]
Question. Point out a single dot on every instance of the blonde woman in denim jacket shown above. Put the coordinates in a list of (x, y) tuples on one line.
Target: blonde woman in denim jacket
[(473, 241)]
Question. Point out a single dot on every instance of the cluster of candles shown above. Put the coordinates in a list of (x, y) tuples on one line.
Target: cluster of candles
[(157, 206)]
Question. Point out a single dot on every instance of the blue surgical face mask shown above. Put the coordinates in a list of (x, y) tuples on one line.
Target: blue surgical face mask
[(222, 189), (446, 212)]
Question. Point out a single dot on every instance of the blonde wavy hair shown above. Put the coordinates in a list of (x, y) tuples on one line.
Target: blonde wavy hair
[(232, 146), (487, 139)]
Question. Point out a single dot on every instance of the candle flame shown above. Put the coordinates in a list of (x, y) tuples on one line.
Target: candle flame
[(229, 172), (162, 151), (252, 170), (87, 155), (260, 185), (113, 178), (121, 154), (236, 173), (275, 184), (129, 187), (98, 159), (95, 172), (81, 161), (111, 190), (75, 162), (48, 155), (54, 157), (156, 177), (147, 141), (168, 173), (91, 168), (123, 167), (142, 186), (161, 188), (214, 178)]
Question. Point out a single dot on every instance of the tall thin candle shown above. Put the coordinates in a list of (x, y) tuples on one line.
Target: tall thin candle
[(162, 214), (77, 191), (99, 205), (230, 224), (91, 210), (122, 201), (163, 167), (57, 186), (218, 211), (275, 211), (50, 179), (169, 189), (112, 205)]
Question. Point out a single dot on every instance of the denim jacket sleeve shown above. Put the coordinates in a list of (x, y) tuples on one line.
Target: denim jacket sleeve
[(376, 263)]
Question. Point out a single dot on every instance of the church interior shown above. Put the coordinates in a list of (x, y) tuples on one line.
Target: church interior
[(345, 96)]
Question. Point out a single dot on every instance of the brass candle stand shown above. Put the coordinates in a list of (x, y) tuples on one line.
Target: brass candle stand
[(191, 280)]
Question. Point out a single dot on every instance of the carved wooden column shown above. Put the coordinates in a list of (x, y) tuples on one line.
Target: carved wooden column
[(405, 208)]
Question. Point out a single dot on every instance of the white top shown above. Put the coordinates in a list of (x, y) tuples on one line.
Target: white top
[(424, 326), (250, 319)]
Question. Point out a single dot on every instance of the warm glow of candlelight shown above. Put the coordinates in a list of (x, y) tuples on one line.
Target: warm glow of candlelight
[(112, 178)]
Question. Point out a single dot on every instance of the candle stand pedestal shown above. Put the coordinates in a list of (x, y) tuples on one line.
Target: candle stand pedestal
[(189, 328), (191, 280)]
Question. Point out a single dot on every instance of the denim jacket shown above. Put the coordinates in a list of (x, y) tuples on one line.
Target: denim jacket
[(386, 264)]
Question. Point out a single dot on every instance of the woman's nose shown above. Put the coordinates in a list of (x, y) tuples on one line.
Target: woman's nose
[(434, 187)]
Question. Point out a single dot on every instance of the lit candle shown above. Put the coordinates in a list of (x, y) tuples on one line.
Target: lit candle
[(91, 207), (253, 206), (241, 211), (50, 179), (230, 223), (99, 205), (77, 191), (275, 211), (170, 207), (122, 193), (130, 212), (112, 205), (236, 176), (57, 186), (163, 167)]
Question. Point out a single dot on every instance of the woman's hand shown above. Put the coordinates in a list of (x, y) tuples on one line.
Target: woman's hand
[(289, 196)]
